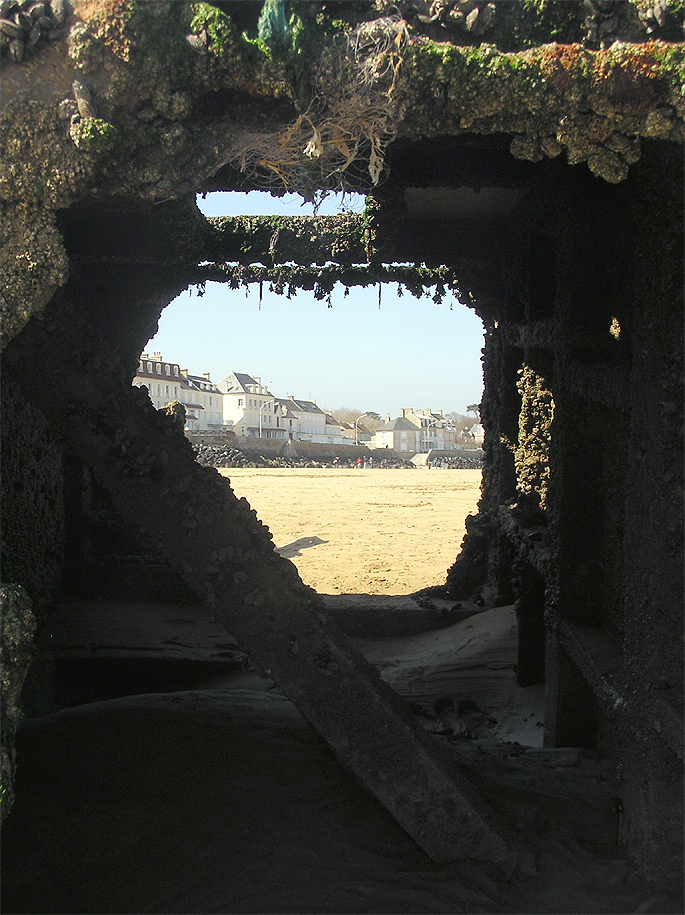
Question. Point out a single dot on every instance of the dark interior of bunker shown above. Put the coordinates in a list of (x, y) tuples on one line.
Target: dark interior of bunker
[(526, 156)]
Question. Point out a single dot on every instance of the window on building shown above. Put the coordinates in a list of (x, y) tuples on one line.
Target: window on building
[(149, 366), (166, 390), (167, 370), (158, 368), (175, 370)]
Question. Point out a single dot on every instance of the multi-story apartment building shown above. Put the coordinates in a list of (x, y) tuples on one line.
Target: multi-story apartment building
[(399, 434), (334, 431), (167, 381), (437, 431), (310, 420), (203, 402), (251, 407), (162, 379), (418, 431), (255, 412)]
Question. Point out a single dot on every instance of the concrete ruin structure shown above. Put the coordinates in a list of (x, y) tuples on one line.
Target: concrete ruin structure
[(526, 156)]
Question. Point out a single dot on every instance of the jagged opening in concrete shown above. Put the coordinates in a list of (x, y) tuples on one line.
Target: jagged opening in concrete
[(424, 343)]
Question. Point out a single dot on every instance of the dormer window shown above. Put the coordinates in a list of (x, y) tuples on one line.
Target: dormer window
[(149, 367), (175, 370), (159, 368), (167, 369)]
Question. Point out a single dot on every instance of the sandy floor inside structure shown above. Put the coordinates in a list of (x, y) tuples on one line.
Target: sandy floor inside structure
[(363, 531)]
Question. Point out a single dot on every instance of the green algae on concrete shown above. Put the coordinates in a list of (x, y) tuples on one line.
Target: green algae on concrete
[(93, 135), (551, 98), (302, 239), (180, 94)]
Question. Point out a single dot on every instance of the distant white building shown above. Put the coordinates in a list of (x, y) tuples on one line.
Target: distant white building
[(437, 431), (399, 434), (334, 431), (250, 406), (474, 436), (162, 379), (418, 431), (203, 402), (167, 381), (310, 420)]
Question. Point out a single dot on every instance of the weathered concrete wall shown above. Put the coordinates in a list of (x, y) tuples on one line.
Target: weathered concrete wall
[(17, 626), (653, 530), (32, 504), (580, 518)]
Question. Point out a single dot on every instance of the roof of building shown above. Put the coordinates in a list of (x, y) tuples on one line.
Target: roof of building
[(397, 424), (307, 406), (160, 368), (286, 407), (199, 383), (238, 383)]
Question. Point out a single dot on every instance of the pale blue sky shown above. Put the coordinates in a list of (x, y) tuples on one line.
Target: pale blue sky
[(410, 353)]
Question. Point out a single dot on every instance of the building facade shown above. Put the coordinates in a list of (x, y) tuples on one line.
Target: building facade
[(418, 432), (167, 381), (399, 434), (203, 402), (162, 379), (250, 407), (437, 431)]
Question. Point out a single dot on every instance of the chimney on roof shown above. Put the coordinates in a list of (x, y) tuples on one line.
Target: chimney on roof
[(404, 412), (439, 412), (206, 375), (157, 357), (387, 417), (144, 356), (184, 372)]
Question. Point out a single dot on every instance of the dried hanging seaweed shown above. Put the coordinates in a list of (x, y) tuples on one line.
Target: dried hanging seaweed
[(351, 119)]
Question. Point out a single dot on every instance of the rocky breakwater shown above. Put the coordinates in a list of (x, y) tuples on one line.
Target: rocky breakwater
[(224, 456), (229, 456), (462, 462)]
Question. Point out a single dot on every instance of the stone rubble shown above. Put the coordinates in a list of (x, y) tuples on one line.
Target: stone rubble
[(229, 456)]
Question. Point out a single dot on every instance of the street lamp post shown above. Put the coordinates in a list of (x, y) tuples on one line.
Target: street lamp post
[(433, 422), (356, 428), (267, 403)]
